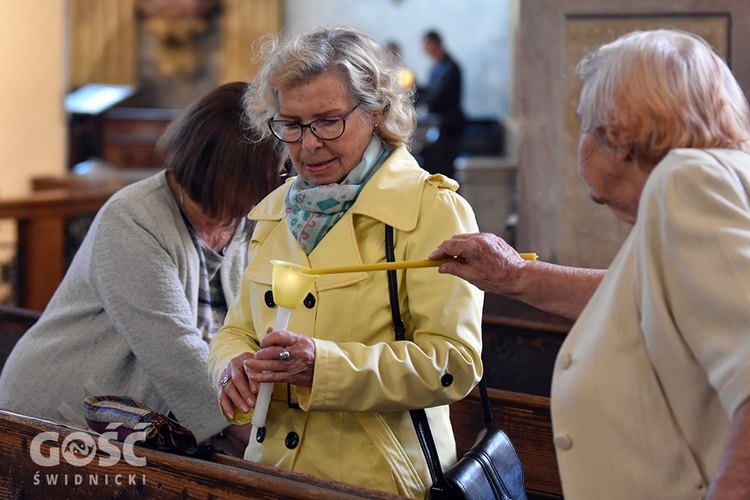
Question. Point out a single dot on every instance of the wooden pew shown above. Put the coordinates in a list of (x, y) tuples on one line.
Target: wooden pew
[(520, 344), (42, 219), (524, 418), (164, 475), (129, 136)]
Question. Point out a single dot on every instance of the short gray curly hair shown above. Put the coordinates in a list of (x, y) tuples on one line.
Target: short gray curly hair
[(369, 71)]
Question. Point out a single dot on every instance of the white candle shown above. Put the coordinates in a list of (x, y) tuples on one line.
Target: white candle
[(263, 400), (289, 287)]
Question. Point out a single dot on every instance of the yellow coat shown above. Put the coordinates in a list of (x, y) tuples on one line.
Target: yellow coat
[(353, 424)]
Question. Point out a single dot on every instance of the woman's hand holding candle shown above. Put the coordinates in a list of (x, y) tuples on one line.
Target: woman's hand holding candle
[(269, 364), (235, 388), (283, 357)]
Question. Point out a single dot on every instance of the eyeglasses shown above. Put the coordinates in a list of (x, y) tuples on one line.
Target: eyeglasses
[(326, 128)]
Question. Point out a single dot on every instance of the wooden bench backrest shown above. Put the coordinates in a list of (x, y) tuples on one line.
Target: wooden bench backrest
[(42, 219), (164, 475)]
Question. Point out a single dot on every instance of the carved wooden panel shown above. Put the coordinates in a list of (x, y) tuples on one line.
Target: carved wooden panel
[(104, 38), (102, 42), (243, 23)]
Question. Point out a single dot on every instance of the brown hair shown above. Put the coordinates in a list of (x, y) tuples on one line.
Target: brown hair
[(216, 162)]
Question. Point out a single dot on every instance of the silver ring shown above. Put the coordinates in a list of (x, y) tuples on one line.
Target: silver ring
[(284, 355), (225, 381)]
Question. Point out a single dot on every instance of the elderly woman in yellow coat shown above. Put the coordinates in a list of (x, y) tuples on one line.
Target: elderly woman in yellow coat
[(342, 384)]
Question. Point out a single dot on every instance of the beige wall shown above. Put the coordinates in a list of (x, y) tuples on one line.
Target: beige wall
[(32, 88)]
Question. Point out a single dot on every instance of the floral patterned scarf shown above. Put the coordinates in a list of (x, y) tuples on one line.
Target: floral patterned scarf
[(312, 210)]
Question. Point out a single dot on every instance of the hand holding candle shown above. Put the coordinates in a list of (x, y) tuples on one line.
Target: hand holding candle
[(289, 290)]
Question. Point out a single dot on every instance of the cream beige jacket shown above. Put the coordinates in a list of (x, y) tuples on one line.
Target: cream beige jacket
[(647, 382)]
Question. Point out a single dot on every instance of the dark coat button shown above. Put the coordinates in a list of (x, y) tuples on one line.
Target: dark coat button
[(268, 297), (446, 380), (309, 301), (292, 440)]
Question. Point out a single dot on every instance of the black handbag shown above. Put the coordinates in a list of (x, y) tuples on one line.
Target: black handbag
[(491, 468)]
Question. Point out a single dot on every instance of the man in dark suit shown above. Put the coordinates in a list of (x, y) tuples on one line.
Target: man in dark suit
[(443, 98)]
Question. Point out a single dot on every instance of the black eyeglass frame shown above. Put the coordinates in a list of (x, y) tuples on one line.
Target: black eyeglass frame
[(302, 126)]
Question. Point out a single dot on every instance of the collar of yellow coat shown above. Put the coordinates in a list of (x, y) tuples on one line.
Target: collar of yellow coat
[(393, 195)]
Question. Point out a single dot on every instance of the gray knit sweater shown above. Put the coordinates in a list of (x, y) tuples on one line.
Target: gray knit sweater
[(123, 320)]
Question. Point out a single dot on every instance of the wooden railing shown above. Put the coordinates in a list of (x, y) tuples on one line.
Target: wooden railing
[(42, 219), (93, 473)]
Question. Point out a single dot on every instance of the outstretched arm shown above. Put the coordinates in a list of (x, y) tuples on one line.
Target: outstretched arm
[(490, 263)]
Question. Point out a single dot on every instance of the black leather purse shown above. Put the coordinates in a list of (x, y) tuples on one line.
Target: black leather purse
[(491, 468)]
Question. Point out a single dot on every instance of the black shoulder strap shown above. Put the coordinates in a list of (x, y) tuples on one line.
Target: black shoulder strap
[(419, 417), (398, 324)]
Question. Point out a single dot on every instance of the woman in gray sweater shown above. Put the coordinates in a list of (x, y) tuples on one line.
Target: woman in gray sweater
[(152, 280)]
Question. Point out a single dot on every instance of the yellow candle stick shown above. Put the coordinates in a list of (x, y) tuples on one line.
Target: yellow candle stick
[(387, 266)]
